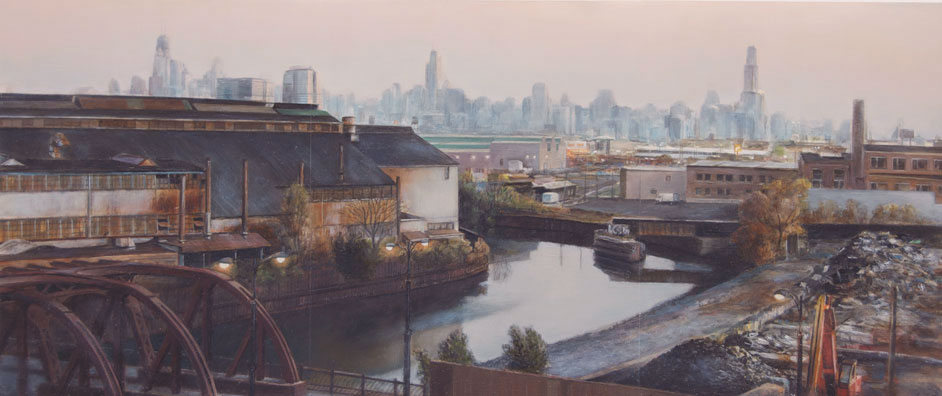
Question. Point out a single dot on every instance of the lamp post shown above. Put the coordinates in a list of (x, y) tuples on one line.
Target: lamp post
[(781, 295), (279, 258), (407, 336)]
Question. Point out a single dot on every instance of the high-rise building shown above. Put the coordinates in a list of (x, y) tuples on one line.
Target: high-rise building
[(751, 120), (255, 89), (113, 87), (300, 86), (539, 107), (138, 86), (169, 76), (433, 80)]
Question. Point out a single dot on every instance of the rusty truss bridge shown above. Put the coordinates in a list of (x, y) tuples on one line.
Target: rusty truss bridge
[(78, 326)]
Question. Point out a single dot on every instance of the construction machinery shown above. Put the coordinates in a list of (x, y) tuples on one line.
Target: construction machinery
[(827, 374)]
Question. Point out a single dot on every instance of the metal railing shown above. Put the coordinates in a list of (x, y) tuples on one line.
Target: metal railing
[(343, 383)]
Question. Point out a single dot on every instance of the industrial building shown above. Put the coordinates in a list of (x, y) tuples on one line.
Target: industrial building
[(732, 181), (105, 167), (482, 154)]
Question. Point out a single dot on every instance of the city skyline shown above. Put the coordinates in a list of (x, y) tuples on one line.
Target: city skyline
[(812, 67)]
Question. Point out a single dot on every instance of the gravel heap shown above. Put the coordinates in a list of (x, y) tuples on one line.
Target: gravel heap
[(707, 367)]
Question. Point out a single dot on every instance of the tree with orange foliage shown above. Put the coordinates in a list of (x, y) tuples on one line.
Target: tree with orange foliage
[(768, 217)]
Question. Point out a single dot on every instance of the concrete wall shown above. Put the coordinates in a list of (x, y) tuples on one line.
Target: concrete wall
[(429, 192), (646, 183), (924, 202), (448, 379)]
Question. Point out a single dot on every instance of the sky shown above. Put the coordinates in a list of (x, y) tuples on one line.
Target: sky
[(814, 58)]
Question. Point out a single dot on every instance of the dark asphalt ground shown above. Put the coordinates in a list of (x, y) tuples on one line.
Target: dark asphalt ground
[(649, 209)]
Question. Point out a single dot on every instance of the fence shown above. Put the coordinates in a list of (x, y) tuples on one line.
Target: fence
[(343, 383)]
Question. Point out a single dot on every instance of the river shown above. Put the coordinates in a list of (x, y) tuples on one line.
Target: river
[(556, 288)]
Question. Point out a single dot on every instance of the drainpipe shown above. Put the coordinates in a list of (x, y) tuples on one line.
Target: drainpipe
[(208, 201), (398, 206), (88, 207), (301, 173), (341, 162), (245, 198), (181, 217)]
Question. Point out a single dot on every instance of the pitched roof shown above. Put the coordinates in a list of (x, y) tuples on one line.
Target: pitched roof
[(273, 158), (97, 166), (396, 146)]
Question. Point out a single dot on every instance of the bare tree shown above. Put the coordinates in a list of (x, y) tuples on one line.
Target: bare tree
[(371, 215)]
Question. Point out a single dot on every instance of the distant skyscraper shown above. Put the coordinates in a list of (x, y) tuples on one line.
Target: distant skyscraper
[(113, 87), (433, 80), (539, 107), (138, 86), (169, 76), (300, 86), (751, 119), (254, 89)]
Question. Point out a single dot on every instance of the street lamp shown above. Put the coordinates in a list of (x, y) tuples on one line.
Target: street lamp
[(279, 258), (782, 295), (407, 336)]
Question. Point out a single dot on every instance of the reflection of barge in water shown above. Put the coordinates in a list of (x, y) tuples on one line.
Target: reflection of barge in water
[(615, 245)]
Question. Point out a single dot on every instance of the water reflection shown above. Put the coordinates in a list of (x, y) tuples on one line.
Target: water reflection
[(556, 288)]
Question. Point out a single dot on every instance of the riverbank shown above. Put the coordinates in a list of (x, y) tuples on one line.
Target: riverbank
[(614, 353)]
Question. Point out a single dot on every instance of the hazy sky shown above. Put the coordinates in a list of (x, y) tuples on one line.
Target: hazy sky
[(814, 59)]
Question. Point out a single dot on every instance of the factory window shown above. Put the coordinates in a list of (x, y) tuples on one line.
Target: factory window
[(653, 191), (838, 178), (878, 162), (706, 191), (729, 178), (745, 178), (923, 187), (937, 164), (699, 176), (899, 163), (707, 176), (549, 145), (761, 178), (920, 164), (878, 186), (816, 176), (699, 191), (719, 177), (902, 186), (447, 172), (748, 191)]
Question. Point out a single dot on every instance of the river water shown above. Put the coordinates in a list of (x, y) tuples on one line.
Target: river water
[(556, 288)]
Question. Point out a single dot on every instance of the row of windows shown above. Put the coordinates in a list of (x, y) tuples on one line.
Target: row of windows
[(38, 183), (721, 177), (721, 192), (900, 163), (103, 226), (350, 193), (903, 187), (169, 124), (817, 178)]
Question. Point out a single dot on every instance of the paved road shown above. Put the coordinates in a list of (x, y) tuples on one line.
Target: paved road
[(615, 351), (649, 209)]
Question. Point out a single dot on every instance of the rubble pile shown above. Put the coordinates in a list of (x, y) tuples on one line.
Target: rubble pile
[(864, 274), (707, 367)]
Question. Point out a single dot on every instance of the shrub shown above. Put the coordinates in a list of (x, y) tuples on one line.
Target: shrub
[(453, 349), (355, 258), (526, 351)]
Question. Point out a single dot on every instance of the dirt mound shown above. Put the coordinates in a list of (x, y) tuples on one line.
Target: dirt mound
[(707, 367)]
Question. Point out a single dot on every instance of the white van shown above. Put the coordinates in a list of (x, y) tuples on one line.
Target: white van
[(667, 198)]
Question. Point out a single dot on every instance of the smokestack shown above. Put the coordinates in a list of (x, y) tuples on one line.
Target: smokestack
[(208, 196), (350, 127), (245, 198), (858, 138), (301, 173), (181, 218), (341, 162)]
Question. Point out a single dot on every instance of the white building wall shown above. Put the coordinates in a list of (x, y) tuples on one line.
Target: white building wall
[(647, 183), (430, 192), (31, 205)]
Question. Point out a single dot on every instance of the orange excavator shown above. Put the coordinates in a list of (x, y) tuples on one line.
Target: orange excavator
[(827, 375)]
